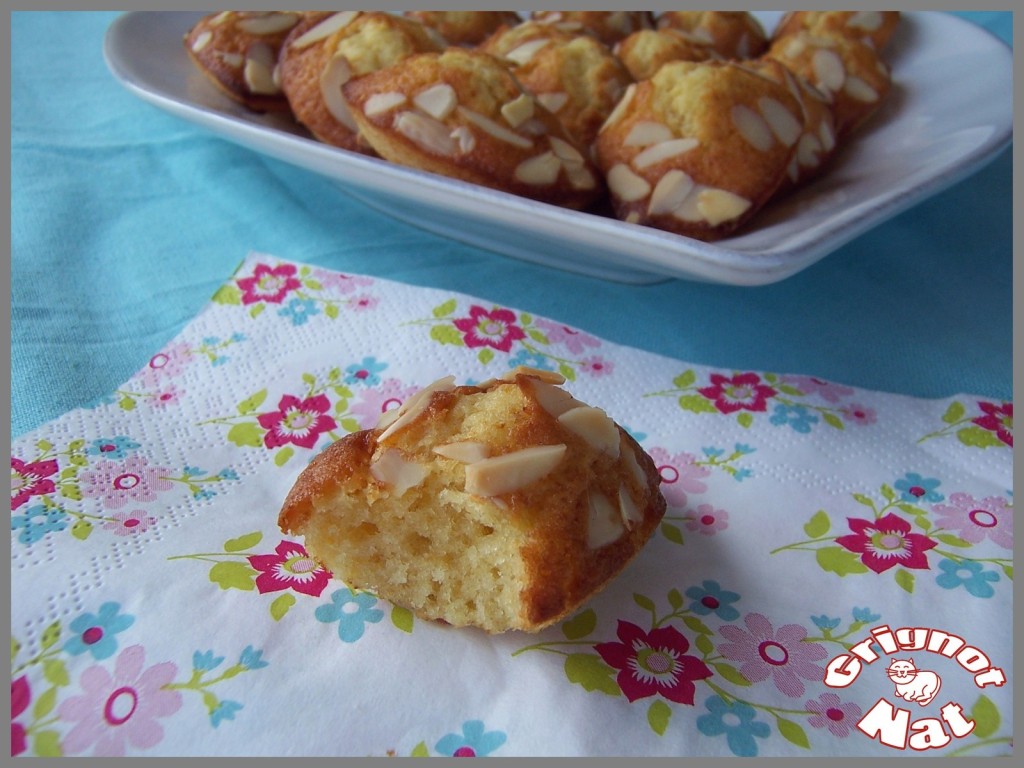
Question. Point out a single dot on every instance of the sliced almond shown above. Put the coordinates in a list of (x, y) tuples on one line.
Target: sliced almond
[(869, 21), (380, 103), (201, 40), (807, 150), (752, 127), (604, 521), (540, 374), (860, 90), (553, 399), (426, 132), (647, 132), (663, 151), (719, 205), (438, 101), (518, 111), (595, 427), (579, 176), (828, 138), (626, 185), (828, 71), (631, 514), (553, 102), (566, 151), (541, 170), (628, 456), (325, 28), (336, 74), (494, 129), (220, 18), (783, 123), (466, 451), (523, 53), (512, 471), (620, 108), (464, 138), (259, 69), (415, 405), (232, 59), (269, 23), (670, 192), (392, 469)]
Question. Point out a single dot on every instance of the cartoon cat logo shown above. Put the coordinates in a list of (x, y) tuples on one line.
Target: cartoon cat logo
[(913, 684)]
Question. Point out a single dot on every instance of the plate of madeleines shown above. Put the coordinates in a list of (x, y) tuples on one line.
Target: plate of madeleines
[(730, 147)]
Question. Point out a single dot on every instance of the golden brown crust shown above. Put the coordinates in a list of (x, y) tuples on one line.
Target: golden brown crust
[(607, 26), (464, 27), (734, 35), (646, 50), (461, 113), (698, 148), (566, 555), (237, 51), (872, 27)]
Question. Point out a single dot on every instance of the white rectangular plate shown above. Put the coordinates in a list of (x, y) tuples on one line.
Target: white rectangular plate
[(950, 111)]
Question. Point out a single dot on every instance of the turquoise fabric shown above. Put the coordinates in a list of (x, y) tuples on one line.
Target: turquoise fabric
[(125, 220)]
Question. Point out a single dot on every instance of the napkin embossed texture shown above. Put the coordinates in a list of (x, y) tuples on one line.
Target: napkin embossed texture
[(818, 539)]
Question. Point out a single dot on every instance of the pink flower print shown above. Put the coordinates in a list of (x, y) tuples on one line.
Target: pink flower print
[(364, 302), (826, 390), (997, 418), (708, 520), (654, 662), (742, 392), (782, 655), (269, 284), (374, 402), (859, 414), (832, 713), (297, 422), (21, 696), (339, 283), (496, 329), (168, 363), (31, 479), (680, 475), (167, 396), (596, 366), (290, 568), (129, 523), (886, 542), (115, 712), (575, 341), (974, 519), (118, 484)]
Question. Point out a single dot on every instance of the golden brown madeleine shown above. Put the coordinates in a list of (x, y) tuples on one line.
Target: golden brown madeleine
[(699, 148), (644, 51), (734, 34), (331, 48), (461, 113), (871, 27), (518, 43), (465, 27), (237, 51), (503, 506), (817, 142), (849, 73), (578, 79), (607, 26)]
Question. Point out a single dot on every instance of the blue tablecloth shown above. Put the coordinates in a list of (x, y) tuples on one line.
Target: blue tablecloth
[(124, 220)]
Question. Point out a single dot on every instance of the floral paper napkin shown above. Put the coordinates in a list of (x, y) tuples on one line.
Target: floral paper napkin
[(833, 575)]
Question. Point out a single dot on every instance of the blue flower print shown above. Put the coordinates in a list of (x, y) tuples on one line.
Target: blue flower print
[(530, 360), (365, 373), (744, 448), (825, 622), (967, 574), (474, 741), (112, 448), (205, 662), (740, 736), (865, 615), (252, 658), (913, 489), (227, 474), (351, 611), (711, 598), (711, 452), (95, 634), (796, 416), (37, 522), (299, 310), (225, 710)]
